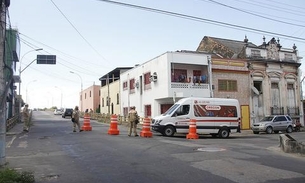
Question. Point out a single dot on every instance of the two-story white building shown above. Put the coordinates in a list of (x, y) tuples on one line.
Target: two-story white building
[(154, 86)]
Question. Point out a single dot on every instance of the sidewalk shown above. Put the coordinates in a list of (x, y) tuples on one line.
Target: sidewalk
[(17, 129)]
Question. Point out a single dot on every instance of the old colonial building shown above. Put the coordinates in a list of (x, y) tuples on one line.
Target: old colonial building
[(265, 77)]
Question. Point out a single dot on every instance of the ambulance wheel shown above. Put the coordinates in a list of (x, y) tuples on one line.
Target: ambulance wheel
[(169, 131), (224, 133)]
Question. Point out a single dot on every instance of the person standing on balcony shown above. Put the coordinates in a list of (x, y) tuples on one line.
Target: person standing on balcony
[(26, 118)]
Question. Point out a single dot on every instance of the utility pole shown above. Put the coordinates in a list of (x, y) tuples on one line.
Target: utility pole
[(108, 93), (3, 89)]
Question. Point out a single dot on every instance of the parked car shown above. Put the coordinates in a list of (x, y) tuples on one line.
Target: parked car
[(57, 112), (274, 124), (67, 112)]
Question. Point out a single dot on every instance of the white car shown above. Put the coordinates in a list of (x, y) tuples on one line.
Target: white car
[(57, 112)]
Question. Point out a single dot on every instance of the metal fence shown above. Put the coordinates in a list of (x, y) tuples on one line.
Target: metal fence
[(11, 122), (106, 118)]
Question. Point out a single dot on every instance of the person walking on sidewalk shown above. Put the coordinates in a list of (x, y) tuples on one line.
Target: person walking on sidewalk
[(133, 121), (75, 119), (26, 118)]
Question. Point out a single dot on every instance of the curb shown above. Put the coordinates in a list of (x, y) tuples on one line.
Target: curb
[(290, 145)]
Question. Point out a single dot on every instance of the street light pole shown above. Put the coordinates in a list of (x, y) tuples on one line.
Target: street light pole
[(26, 95), (38, 49), (81, 90)]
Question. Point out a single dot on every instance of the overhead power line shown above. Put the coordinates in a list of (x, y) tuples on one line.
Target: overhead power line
[(257, 15), (77, 30), (291, 5), (194, 18), (81, 69), (276, 7)]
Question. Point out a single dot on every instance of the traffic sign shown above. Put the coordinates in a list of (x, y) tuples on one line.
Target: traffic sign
[(46, 59)]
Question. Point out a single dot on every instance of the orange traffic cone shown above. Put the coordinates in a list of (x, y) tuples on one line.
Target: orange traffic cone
[(146, 128), (113, 130), (86, 126), (192, 130)]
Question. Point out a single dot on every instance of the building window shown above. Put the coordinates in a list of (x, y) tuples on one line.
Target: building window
[(125, 111), (90, 94), (146, 78), (117, 98), (147, 111), (255, 53), (108, 101), (147, 84), (227, 85), (275, 95), (103, 102), (132, 85), (125, 86)]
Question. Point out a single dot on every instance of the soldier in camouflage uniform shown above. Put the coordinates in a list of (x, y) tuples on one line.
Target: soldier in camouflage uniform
[(133, 121)]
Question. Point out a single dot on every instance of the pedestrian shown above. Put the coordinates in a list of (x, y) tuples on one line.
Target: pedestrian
[(26, 118), (75, 119), (133, 121), (91, 112)]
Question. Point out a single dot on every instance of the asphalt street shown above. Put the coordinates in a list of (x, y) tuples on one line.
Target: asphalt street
[(55, 154)]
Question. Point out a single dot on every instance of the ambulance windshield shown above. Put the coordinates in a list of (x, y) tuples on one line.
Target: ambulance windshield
[(171, 110)]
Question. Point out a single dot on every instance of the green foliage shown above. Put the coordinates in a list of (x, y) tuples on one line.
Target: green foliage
[(97, 110), (8, 175)]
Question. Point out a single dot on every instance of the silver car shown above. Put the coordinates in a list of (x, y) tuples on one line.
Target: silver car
[(274, 124)]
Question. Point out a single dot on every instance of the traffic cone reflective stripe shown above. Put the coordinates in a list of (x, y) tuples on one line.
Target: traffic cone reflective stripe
[(192, 130), (113, 129), (86, 126), (146, 128)]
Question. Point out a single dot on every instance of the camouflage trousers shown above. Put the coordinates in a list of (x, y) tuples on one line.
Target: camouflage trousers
[(26, 124), (132, 127)]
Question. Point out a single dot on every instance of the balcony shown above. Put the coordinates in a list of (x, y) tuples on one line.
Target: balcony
[(293, 111), (277, 110)]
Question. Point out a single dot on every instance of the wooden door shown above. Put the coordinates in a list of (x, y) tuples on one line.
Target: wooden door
[(245, 117)]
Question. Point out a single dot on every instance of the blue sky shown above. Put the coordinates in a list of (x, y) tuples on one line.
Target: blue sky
[(92, 37)]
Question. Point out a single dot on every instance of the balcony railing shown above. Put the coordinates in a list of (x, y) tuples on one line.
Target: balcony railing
[(190, 85), (293, 111), (277, 110)]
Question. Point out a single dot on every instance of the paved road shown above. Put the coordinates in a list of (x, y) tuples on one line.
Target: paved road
[(55, 154)]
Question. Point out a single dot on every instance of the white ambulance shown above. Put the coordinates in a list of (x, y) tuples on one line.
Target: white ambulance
[(214, 116)]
